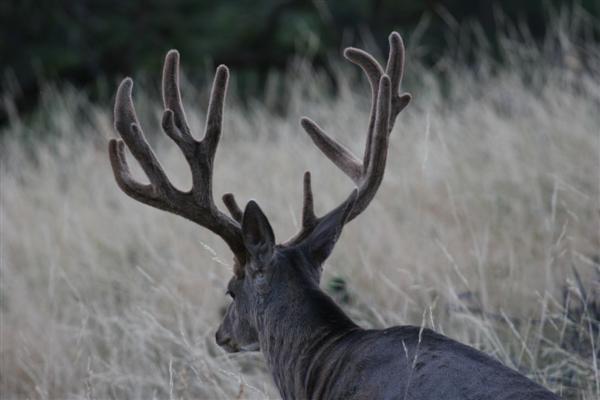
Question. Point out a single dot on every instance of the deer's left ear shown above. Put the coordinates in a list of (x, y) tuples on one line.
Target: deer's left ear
[(321, 241), (258, 236)]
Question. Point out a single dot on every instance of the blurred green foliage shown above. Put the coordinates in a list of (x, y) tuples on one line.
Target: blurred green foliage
[(80, 41)]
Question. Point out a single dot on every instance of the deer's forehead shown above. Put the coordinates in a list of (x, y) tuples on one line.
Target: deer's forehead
[(282, 260)]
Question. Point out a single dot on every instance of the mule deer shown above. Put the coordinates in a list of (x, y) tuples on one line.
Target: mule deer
[(312, 348)]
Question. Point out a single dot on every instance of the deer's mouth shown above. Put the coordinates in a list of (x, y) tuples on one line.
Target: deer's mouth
[(251, 347), (229, 346), (226, 342)]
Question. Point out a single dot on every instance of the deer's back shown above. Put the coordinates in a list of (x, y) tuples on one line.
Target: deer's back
[(409, 363)]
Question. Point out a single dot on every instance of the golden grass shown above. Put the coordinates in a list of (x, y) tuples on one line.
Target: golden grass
[(490, 199)]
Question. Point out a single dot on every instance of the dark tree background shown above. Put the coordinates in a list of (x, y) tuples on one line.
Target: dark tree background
[(81, 41)]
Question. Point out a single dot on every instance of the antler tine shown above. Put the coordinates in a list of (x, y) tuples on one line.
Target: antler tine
[(172, 94), (373, 70), (309, 218), (395, 64), (336, 152), (395, 69), (214, 120), (196, 205), (232, 206), (128, 126)]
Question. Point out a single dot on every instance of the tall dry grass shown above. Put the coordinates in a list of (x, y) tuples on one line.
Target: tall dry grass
[(486, 228)]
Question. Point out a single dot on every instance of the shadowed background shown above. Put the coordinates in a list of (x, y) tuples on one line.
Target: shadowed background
[(91, 43)]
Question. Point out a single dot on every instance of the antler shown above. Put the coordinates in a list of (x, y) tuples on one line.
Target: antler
[(386, 104), (197, 204)]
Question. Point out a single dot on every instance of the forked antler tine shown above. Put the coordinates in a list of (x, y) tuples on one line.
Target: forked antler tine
[(337, 153), (179, 131), (174, 121), (127, 125), (172, 94)]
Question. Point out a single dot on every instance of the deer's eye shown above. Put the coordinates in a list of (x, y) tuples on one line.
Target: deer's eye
[(230, 294)]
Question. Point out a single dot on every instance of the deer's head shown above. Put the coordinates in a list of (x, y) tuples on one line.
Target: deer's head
[(273, 273), (264, 272)]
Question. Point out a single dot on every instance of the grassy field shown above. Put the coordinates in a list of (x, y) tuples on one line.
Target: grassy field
[(486, 228)]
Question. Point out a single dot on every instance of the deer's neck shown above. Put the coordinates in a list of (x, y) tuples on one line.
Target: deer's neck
[(297, 337)]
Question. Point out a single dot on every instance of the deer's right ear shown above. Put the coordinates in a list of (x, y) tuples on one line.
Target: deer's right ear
[(259, 239)]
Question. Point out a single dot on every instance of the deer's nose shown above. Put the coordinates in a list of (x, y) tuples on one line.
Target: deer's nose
[(225, 342), (221, 339)]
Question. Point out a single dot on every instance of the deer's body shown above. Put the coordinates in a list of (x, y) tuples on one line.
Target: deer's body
[(393, 364), (313, 349)]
